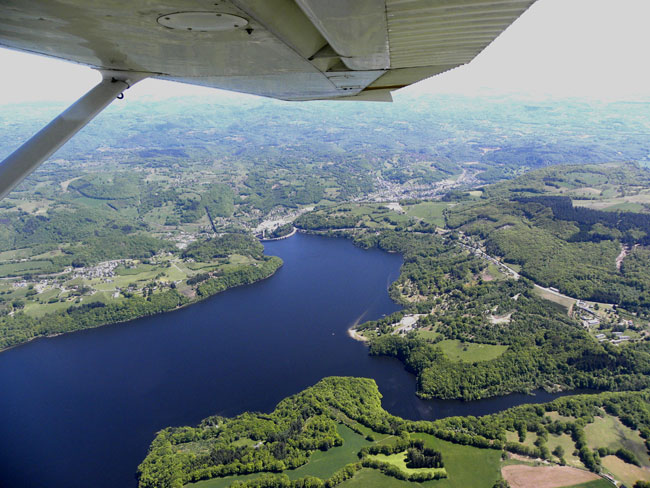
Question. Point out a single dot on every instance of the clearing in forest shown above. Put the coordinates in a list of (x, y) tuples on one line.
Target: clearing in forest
[(469, 351)]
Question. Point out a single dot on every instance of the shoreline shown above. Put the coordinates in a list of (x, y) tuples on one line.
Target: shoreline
[(356, 336), (196, 299), (291, 234)]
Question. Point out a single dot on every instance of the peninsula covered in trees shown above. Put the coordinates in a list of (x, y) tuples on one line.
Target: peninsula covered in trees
[(337, 434), (474, 327)]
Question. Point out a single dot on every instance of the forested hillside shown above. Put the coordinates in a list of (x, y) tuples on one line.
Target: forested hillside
[(302, 442), (472, 328), (567, 242)]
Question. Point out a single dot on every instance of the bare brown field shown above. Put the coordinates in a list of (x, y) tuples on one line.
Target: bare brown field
[(521, 476)]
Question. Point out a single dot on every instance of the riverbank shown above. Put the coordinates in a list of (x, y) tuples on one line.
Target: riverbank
[(356, 336), (26, 329), (270, 239), (352, 408)]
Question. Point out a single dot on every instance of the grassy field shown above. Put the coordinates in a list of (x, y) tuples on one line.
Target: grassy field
[(16, 269), (428, 334), (560, 300), (622, 471), (469, 351), (399, 460), (568, 445), (324, 464), (628, 203), (485, 468), (371, 478), (601, 483), (223, 482), (467, 467), (37, 309), (15, 254), (34, 309), (609, 432), (494, 273), (626, 207), (529, 441), (244, 441), (139, 268), (430, 212), (35, 207)]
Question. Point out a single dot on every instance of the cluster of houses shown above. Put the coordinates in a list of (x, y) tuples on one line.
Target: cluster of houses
[(44, 285), (104, 270), (618, 338), (39, 286), (587, 315), (406, 324), (590, 319), (388, 190), (101, 270), (182, 238)]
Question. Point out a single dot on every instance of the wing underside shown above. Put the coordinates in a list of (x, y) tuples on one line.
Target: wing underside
[(286, 49)]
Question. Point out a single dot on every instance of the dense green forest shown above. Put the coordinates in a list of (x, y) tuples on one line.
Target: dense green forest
[(222, 246), (268, 448), (545, 347), (559, 244), (458, 300)]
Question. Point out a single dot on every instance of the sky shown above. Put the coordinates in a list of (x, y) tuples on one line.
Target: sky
[(595, 49)]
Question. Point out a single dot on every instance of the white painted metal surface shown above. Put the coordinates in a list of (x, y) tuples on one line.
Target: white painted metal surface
[(446, 32), (356, 30), (379, 45), (211, 21)]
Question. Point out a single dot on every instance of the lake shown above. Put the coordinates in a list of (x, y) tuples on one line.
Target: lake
[(81, 409)]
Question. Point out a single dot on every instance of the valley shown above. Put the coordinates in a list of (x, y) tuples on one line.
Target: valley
[(519, 273)]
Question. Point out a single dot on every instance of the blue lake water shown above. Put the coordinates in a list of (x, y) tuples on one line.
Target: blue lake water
[(81, 409)]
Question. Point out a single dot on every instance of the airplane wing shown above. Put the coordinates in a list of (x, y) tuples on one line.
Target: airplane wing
[(286, 49)]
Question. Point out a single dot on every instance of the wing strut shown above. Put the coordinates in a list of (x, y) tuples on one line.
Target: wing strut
[(43, 144)]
